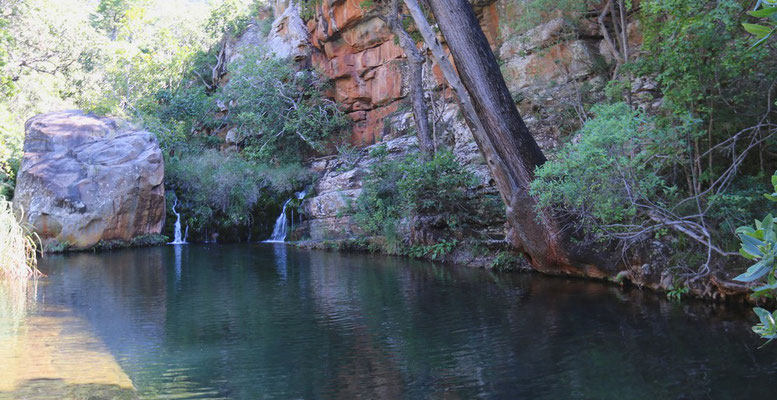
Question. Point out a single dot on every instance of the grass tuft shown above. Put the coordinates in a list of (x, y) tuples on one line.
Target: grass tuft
[(17, 248)]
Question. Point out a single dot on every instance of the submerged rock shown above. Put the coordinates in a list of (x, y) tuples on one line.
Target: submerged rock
[(84, 179)]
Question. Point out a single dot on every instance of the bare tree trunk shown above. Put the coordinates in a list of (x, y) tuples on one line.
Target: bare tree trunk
[(503, 138), (416, 64)]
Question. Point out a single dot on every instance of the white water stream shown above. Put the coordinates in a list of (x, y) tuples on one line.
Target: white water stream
[(178, 238), (281, 228)]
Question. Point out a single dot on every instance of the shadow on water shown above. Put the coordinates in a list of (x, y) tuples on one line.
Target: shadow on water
[(48, 353), (271, 321)]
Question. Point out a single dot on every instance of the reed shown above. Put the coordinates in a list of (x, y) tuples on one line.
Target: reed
[(18, 258)]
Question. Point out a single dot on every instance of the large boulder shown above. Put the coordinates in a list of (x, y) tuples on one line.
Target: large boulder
[(84, 179)]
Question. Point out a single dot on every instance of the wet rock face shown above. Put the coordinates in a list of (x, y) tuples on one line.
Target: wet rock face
[(84, 179)]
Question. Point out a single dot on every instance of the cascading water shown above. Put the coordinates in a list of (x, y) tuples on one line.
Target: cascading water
[(178, 238), (281, 228)]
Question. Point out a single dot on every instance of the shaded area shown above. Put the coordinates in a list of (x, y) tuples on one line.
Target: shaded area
[(51, 354), (270, 321), (58, 389)]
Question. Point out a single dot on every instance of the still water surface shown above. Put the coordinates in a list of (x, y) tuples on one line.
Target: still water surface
[(271, 321)]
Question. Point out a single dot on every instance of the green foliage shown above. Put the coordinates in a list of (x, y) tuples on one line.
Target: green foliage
[(10, 154), (366, 4), (436, 186), (307, 9), (218, 191), (138, 241), (759, 244), (616, 163), (697, 53), (676, 292), (232, 17), (397, 189), (504, 262), (111, 15), (435, 251), (535, 12), (767, 10), (57, 247), (174, 115), (281, 114), (767, 327)]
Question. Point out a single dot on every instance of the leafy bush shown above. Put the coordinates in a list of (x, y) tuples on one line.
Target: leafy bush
[(504, 262), (379, 206), (218, 191), (614, 168), (232, 17), (536, 12), (759, 244), (434, 251), (281, 114), (397, 189), (175, 115), (436, 186), (9, 165), (702, 61)]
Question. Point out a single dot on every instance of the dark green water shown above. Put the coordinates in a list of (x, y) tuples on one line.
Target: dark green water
[(270, 321)]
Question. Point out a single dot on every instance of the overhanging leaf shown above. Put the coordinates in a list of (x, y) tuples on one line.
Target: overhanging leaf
[(764, 12)]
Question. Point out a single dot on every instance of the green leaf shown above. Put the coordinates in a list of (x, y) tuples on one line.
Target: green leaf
[(764, 288), (745, 230), (765, 316), (746, 254), (764, 12), (749, 241), (763, 39), (755, 272), (759, 31)]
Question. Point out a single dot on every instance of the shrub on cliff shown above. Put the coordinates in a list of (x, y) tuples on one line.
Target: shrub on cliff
[(281, 114), (412, 186), (9, 164), (615, 167), (220, 191), (630, 176)]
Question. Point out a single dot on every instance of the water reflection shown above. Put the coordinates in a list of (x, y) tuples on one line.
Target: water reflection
[(212, 322), (17, 299), (47, 352), (280, 260), (177, 249)]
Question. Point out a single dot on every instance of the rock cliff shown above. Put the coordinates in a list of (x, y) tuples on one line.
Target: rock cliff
[(84, 179), (551, 68)]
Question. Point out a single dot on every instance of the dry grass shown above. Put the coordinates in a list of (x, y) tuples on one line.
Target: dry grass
[(17, 247)]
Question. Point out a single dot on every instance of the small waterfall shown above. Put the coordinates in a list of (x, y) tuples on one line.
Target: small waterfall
[(281, 228), (178, 238)]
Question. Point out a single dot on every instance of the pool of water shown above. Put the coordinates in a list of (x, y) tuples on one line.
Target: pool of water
[(271, 321)]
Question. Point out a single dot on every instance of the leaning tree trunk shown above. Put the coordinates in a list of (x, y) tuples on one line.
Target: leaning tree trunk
[(503, 138), (415, 61)]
